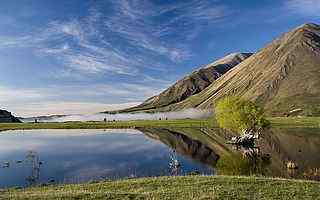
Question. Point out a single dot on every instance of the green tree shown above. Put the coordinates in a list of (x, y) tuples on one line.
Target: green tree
[(239, 115)]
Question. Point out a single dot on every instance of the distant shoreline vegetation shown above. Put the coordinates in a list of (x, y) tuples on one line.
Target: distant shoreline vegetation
[(276, 122)]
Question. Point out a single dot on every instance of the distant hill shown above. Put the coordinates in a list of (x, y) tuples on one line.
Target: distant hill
[(7, 117), (43, 118), (283, 77), (191, 84)]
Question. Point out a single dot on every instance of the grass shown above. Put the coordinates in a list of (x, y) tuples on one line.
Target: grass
[(186, 187), (278, 122), (107, 125), (297, 122)]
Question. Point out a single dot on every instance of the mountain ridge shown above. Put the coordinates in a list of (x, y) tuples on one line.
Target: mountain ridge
[(281, 77), (192, 83)]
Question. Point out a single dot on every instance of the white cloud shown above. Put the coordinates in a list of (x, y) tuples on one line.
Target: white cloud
[(62, 49), (17, 42), (43, 101), (133, 21), (309, 8), (89, 44), (123, 41), (11, 94), (65, 107)]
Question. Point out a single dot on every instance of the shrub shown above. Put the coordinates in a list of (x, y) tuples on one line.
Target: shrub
[(239, 115)]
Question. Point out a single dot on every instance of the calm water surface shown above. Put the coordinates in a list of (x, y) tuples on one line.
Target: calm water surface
[(72, 156)]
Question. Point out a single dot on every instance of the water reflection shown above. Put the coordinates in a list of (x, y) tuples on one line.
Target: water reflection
[(34, 159), (268, 157), (298, 145), (187, 146), (175, 164), (74, 156)]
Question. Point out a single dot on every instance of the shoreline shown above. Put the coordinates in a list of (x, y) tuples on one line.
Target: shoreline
[(276, 122)]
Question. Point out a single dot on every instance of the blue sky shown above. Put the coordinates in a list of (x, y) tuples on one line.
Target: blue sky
[(82, 56)]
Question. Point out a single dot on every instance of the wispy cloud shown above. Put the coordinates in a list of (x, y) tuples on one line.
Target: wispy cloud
[(66, 107), (10, 94), (136, 22), (308, 8), (110, 40), (125, 39), (41, 101), (80, 51)]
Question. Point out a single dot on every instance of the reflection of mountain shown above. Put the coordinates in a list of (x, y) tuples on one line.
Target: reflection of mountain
[(184, 145), (301, 145)]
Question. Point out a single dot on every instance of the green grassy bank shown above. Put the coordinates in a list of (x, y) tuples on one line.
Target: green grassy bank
[(306, 122), (188, 187), (298, 122), (106, 125)]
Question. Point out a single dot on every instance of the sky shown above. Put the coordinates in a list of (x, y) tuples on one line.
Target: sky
[(87, 56)]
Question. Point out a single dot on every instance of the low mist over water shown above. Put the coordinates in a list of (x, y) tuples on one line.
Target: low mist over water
[(188, 113)]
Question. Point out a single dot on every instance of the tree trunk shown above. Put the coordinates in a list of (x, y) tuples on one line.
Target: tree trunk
[(247, 139)]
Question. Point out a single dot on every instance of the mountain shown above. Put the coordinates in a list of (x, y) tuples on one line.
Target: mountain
[(192, 83), (6, 117), (283, 77)]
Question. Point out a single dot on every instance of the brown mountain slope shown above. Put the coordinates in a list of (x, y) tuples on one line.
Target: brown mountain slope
[(283, 76), (192, 84)]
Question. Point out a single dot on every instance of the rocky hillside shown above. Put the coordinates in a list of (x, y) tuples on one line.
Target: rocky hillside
[(282, 77), (191, 84), (6, 117)]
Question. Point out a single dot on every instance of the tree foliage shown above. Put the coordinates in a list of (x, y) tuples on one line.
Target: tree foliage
[(236, 114)]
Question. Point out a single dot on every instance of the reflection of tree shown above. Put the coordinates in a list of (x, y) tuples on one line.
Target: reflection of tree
[(35, 173), (174, 164), (249, 161)]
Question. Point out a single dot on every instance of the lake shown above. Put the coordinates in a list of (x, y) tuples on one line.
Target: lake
[(29, 157), (75, 156)]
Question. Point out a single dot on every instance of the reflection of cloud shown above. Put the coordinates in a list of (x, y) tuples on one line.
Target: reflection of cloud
[(10, 146), (75, 141), (91, 172), (83, 155)]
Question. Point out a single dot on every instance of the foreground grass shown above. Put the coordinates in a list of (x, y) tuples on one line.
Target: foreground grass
[(280, 122), (188, 187)]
